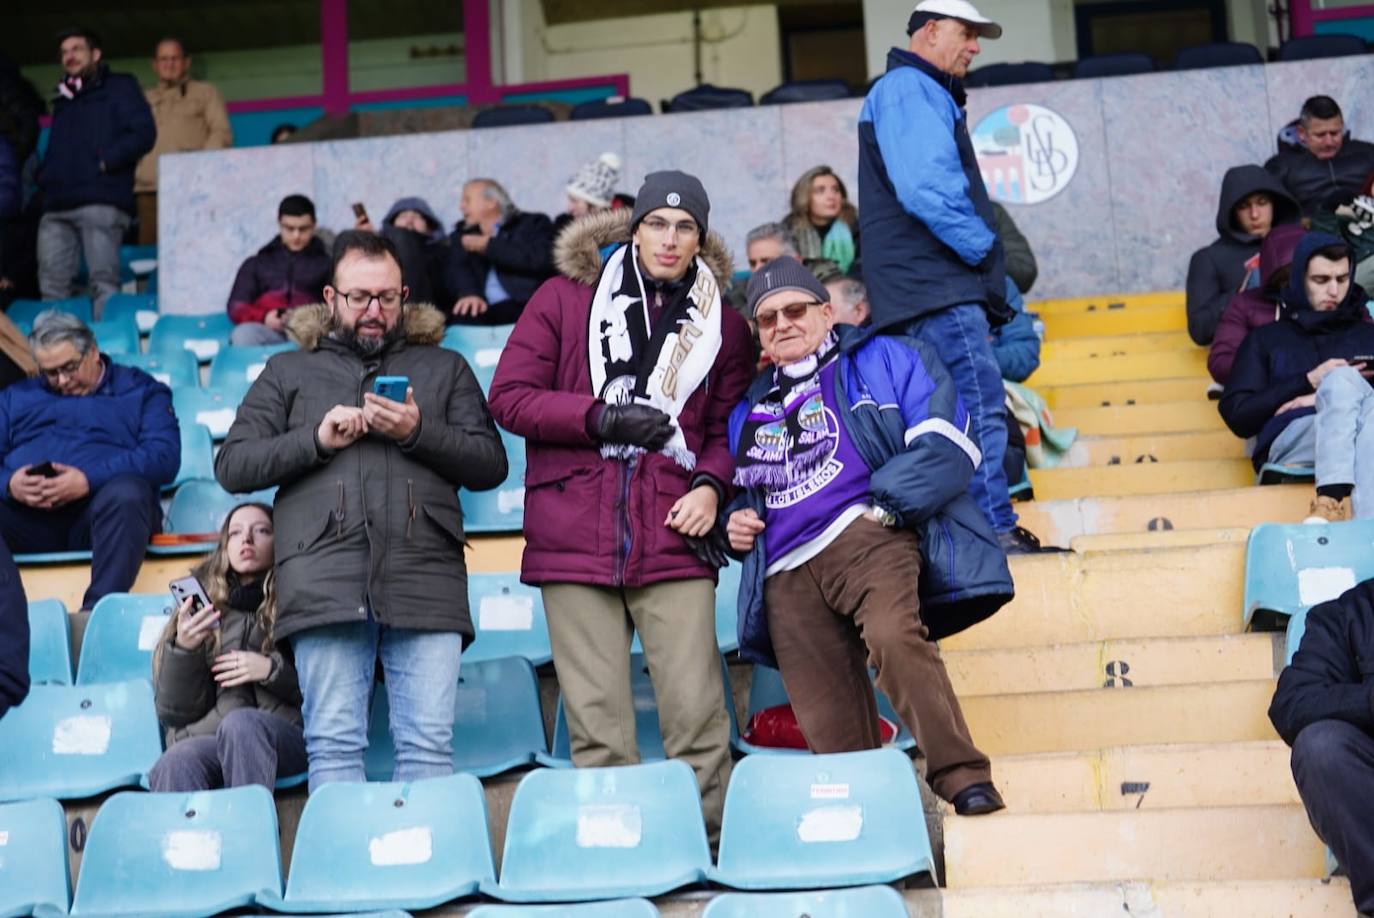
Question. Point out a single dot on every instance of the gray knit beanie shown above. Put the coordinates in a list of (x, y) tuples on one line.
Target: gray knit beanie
[(595, 182), (783, 273), (672, 189)]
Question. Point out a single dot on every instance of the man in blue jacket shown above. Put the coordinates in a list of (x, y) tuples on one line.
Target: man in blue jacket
[(934, 265), (101, 127), (84, 447), (860, 544)]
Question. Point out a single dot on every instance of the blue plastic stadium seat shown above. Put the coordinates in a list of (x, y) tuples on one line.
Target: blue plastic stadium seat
[(1218, 54), (616, 908), (201, 335), (1292, 567), (50, 643), (1112, 65), (141, 307), (197, 455), (136, 261), (1292, 638), (389, 845), (502, 509), (481, 345), (200, 505), (1010, 74), (509, 115), (706, 97), (863, 902), (497, 721), (614, 107), (53, 557), (811, 822), (1309, 47), (239, 366), (766, 690), (23, 312), (215, 408), (603, 833), (727, 612), (180, 854), (509, 619), (120, 637), (1274, 473), (116, 336), (175, 369), (33, 860), (806, 91), (71, 741), (648, 733)]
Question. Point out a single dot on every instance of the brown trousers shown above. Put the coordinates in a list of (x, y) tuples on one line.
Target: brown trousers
[(146, 202), (852, 607)]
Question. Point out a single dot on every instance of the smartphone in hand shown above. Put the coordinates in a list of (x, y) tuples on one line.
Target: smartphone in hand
[(392, 387), (183, 587), (43, 469), (359, 210)]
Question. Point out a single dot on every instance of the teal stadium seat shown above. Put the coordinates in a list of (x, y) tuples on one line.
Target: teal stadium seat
[(1291, 567), (648, 734), (408, 845), (215, 408), (201, 335), (34, 879), (863, 902), (481, 345), (502, 509), (120, 637), (141, 307), (175, 369), (72, 741), (136, 261), (197, 455), (509, 620), (822, 821), (617, 908), (603, 833), (766, 690), (116, 336), (23, 312), (50, 643), (180, 854), (200, 505), (497, 721), (727, 612), (240, 366), (1292, 638)]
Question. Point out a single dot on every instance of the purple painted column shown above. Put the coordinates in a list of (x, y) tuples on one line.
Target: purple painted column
[(477, 40), (1300, 18), (334, 55)]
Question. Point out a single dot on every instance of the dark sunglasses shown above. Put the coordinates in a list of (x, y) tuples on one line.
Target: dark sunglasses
[(793, 311)]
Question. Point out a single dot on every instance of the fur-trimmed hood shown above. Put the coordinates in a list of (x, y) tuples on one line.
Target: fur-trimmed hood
[(577, 250), (306, 325)]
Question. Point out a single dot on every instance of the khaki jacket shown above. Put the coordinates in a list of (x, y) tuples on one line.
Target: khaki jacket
[(188, 117)]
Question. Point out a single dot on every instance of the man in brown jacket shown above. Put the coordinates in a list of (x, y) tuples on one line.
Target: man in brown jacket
[(189, 114)]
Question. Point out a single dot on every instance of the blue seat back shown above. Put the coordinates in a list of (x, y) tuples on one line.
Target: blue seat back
[(1289, 568), (180, 854), (1218, 54), (239, 366), (509, 619), (815, 821), (766, 690), (33, 860), (616, 908), (123, 630), (201, 335), (497, 722), (1309, 47), (116, 336), (141, 307), (136, 256), (727, 612), (50, 643), (71, 741), (1292, 638), (1111, 65), (390, 845), (1010, 74), (174, 369), (23, 312), (215, 408), (610, 108), (706, 97), (600, 833), (508, 115), (863, 902), (197, 455), (806, 91), (200, 505), (502, 509), (481, 345)]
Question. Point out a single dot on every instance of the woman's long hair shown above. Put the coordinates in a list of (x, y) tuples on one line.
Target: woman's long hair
[(213, 574), (799, 219)]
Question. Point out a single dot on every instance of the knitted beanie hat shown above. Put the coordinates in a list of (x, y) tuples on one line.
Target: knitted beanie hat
[(595, 182)]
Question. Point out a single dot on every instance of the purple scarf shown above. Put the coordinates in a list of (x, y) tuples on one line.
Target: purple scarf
[(777, 447)]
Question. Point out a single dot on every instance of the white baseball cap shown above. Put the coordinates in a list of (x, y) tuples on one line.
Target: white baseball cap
[(953, 9)]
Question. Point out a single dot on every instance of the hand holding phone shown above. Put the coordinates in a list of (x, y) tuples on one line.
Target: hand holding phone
[(196, 617), (43, 469), (390, 408), (392, 387)]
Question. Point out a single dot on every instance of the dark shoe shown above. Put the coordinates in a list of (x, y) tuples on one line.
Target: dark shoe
[(978, 799), (1020, 541)]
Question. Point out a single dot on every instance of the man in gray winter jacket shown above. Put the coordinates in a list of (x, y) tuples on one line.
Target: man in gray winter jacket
[(369, 541)]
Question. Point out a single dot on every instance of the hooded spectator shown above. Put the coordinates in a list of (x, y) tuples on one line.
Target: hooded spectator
[(1325, 168), (418, 235), (1257, 306), (823, 222), (1252, 202), (288, 272)]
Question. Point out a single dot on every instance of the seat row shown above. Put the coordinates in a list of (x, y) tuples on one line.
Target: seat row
[(812, 822)]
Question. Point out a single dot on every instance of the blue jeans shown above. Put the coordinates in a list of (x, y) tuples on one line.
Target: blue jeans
[(959, 335), (1331, 440), (336, 665)]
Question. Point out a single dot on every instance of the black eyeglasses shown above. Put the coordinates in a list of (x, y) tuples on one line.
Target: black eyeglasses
[(793, 311), (360, 300)]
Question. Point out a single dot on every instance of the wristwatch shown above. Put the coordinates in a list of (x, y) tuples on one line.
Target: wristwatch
[(884, 516)]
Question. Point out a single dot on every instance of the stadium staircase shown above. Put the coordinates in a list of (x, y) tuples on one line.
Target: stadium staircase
[(1120, 696)]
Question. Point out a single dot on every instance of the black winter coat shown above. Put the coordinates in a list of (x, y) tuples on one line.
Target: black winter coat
[(521, 253), (96, 141), (14, 634), (1319, 184)]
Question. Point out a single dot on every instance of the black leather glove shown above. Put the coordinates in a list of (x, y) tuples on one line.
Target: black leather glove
[(637, 425), (711, 548)]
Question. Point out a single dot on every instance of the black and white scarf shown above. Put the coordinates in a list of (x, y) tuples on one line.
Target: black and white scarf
[(777, 448), (635, 360)]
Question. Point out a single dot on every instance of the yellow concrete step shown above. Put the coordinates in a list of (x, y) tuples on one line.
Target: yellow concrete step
[(1166, 538), (1166, 447), (1115, 345), (1210, 712), (1108, 302), (1128, 662), (1167, 365), (1141, 478), (1190, 387), (1128, 420), (1057, 522), (1211, 844), (1138, 320), (1307, 898), (1254, 773), (1067, 598)]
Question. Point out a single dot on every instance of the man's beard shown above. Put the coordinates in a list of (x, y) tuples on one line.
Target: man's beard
[(365, 345)]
